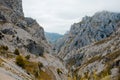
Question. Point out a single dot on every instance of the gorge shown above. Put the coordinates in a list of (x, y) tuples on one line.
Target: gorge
[(89, 51)]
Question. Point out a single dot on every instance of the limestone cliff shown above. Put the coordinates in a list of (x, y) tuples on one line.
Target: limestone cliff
[(24, 50), (89, 30), (91, 49), (21, 31)]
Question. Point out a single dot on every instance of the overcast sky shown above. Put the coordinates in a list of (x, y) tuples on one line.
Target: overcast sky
[(58, 15)]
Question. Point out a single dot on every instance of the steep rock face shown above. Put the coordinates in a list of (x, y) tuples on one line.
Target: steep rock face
[(101, 59), (11, 10), (90, 29), (20, 32), (26, 36), (91, 49)]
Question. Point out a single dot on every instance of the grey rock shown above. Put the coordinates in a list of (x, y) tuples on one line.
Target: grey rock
[(18, 30), (35, 48), (30, 21), (8, 31), (89, 30), (11, 10)]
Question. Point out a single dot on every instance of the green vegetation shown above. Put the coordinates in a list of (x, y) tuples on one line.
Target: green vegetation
[(1, 62), (20, 61), (103, 75), (40, 65), (4, 47), (59, 71), (33, 68), (27, 57), (4, 51), (16, 52)]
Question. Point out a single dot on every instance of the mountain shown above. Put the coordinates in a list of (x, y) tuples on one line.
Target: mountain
[(89, 30), (53, 37), (19, 30), (97, 61), (24, 50), (91, 49)]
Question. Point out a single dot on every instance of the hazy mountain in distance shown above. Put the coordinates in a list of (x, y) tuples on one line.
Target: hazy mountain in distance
[(53, 37)]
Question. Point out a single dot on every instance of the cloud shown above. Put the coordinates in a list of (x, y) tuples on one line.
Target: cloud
[(58, 15)]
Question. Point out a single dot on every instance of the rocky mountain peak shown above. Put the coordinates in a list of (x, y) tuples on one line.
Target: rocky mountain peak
[(89, 30)]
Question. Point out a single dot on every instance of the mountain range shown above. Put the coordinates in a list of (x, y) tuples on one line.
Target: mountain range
[(53, 37), (90, 50)]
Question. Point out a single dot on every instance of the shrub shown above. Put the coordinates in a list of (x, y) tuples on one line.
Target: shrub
[(4, 47), (20, 61), (16, 52), (27, 57), (59, 71), (40, 65)]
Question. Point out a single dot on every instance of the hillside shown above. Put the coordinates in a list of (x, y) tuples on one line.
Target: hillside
[(98, 61), (24, 50)]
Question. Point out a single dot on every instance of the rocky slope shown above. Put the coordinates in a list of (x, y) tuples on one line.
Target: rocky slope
[(98, 61), (24, 48), (89, 30), (19, 31), (91, 49)]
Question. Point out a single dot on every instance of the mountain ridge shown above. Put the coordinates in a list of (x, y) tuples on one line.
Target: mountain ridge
[(53, 37), (90, 29)]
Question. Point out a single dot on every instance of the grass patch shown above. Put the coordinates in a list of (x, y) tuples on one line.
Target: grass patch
[(33, 68), (27, 57), (93, 60), (100, 42), (1, 62), (114, 54), (21, 61), (104, 40), (44, 76)]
